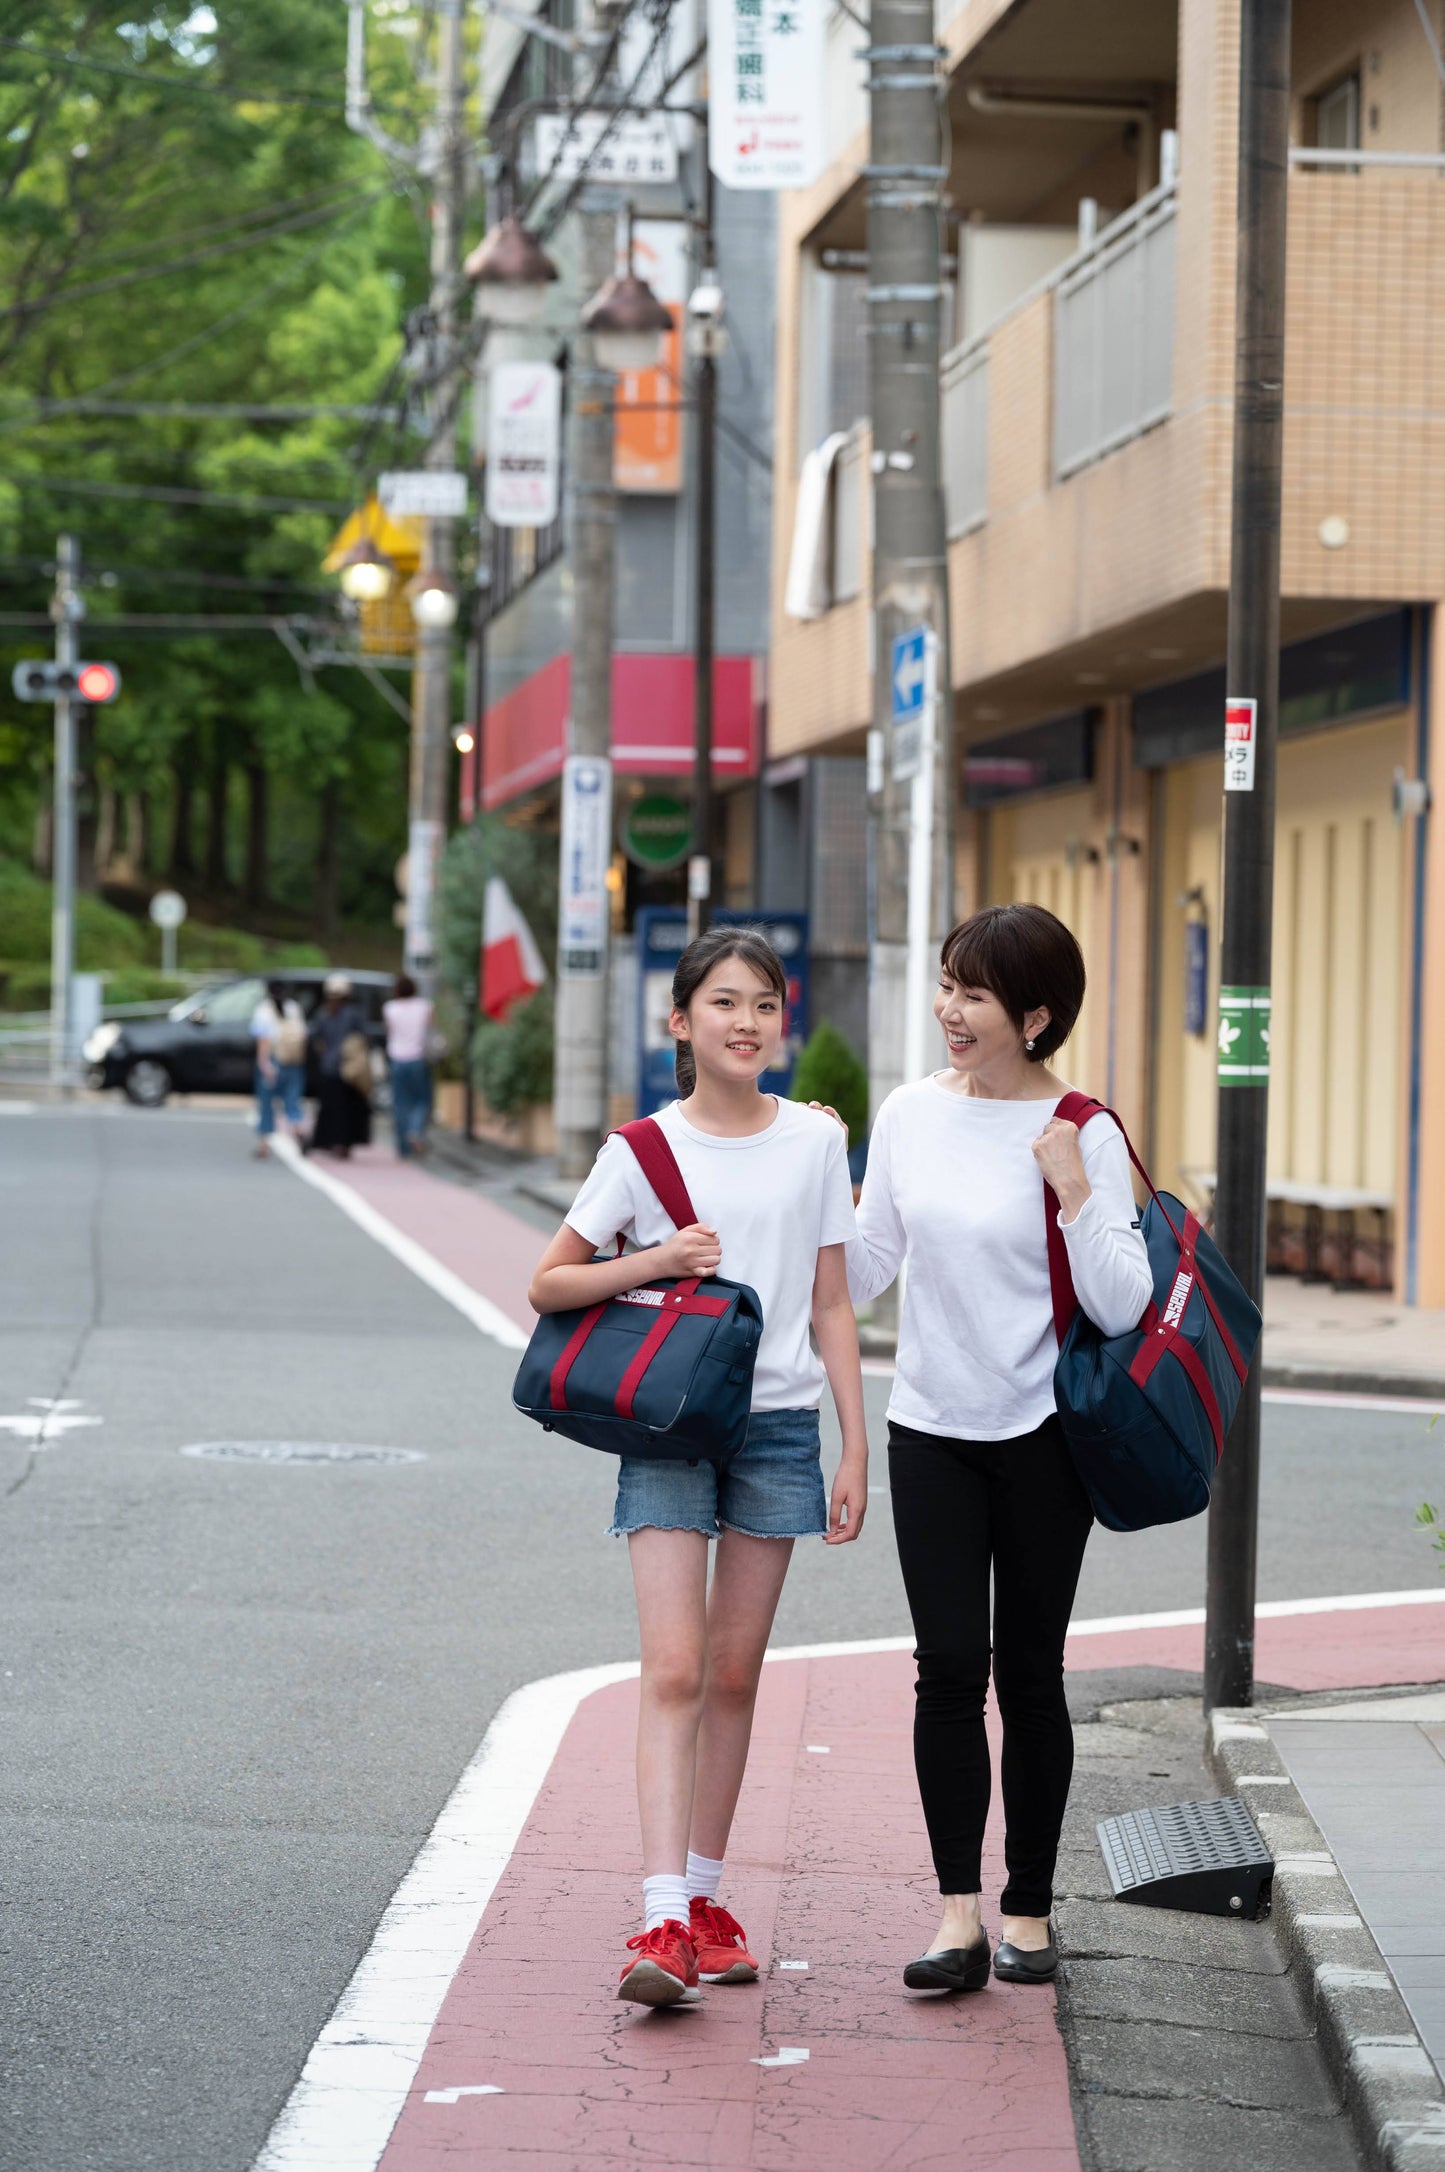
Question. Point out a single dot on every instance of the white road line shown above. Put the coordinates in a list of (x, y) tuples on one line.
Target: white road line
[(340, 2115), (482, 1313)]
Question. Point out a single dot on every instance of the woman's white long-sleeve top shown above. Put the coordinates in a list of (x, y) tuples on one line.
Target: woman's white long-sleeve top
[(954, 1195)]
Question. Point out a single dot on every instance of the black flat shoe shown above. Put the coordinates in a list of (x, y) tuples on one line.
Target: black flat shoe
[(1014, 1964), (957, 1968)]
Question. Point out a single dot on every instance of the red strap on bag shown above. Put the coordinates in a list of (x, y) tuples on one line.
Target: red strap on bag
[(658, 1164)]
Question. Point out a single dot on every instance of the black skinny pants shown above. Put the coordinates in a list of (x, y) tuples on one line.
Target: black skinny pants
[(959, 1508)]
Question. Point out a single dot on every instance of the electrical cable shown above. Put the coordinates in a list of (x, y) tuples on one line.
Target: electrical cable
[(164, 576), (564, 203), (1433, 42), (175, 494), (600, 73), (282, 207), (185, 263), (242, 92)]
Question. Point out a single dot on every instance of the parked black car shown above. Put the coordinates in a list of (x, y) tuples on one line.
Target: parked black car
[(203, 1043)]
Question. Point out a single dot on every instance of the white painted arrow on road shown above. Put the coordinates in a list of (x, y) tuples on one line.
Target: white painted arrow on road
[(47, 1418)]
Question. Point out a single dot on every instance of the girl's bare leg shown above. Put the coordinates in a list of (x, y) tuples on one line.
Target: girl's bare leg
[(669, 1575), (747, 1581)]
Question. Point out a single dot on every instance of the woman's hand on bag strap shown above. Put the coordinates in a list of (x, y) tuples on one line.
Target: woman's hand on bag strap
[(694, 1251), (1061, 1163)]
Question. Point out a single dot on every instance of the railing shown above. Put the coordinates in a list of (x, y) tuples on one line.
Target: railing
[(1114, 335), (965, 435), (850, 513)]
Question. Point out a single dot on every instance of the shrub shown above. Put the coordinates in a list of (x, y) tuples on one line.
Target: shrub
[(103, 936), (512, 1063), (828, 1071)]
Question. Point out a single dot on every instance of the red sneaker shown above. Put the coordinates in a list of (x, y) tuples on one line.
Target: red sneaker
[(665, 1971), (722, 1953)]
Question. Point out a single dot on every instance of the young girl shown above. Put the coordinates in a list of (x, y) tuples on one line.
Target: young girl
[(769, 1179)]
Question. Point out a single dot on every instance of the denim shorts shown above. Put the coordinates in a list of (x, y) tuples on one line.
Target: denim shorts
[(772, 1487)]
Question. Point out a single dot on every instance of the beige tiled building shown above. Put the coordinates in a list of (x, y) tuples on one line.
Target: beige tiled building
[(1088, 419)]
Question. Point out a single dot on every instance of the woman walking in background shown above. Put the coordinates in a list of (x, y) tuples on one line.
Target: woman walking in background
[(408, 1019), (278, 1029), (980, 1475), (770, 1179), (343, 1062)]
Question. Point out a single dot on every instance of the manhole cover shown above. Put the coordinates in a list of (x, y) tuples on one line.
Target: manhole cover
[(298, 1451)]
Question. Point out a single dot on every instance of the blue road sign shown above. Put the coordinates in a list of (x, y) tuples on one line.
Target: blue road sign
[(910, 673)]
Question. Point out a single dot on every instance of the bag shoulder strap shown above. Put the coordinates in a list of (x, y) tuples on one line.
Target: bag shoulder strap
[(1076, 1108), (658, 1164)]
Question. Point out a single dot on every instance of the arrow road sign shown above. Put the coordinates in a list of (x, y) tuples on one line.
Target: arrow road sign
[(911, 689)]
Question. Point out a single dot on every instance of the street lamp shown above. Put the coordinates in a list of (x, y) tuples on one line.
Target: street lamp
[(511, 272), (435, 600), (366, 572), (628, 324)]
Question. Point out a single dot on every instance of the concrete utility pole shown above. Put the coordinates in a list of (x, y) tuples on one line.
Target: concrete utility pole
[(431, 696), (706, 338), (67, 608), (580, 1078), (905, 178), (1251, 730)]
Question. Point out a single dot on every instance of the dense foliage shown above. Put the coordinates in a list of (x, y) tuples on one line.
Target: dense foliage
[(186, 219), (828, 1071)]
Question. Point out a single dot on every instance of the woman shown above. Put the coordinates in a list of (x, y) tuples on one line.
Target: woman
[(980, 1475), (278, 1029), (343, 1107), (407, 1016), (770, 1180)]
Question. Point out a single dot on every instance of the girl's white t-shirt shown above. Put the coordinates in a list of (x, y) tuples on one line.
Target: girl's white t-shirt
[(953, 1191), (774, 1199)]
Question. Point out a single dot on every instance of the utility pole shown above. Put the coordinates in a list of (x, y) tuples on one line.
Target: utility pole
[(67, 608), (706, 335), (1251, 730), (912, 817), (580, 1081), (431, 694)]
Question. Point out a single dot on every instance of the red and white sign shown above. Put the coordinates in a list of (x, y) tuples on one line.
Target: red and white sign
[(1241, 726), (512, 967), (766, 81), (524, 444)]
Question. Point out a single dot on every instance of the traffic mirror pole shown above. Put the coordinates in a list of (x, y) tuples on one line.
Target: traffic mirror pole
[(1251, 730), (66, 608)]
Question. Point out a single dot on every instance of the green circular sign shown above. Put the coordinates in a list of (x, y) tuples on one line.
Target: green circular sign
[(656, 831)]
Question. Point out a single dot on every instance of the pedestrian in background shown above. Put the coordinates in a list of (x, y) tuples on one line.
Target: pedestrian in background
[(278, 1028), (343, 1064), (772, 1178), (979, 1472), (408, 1019)]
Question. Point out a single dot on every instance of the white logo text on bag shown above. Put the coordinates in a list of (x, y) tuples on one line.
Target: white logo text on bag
[(1178, 1298), (641, 1297)]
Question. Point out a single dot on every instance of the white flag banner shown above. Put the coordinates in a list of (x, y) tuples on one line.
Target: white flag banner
[(767, 81), (524, 444)]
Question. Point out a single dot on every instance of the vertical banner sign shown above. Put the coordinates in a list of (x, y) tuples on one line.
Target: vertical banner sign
[(423, 849), (1241, 728), (1196, 976), (524, 442), (766, 89), (1243, 1036), (586, 853), (647, 433)]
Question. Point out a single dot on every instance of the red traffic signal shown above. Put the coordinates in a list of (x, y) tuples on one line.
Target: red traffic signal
[(42, 680), (97, 682)]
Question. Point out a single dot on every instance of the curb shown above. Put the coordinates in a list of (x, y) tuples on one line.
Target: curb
[(1342, 1380), (1391, 2090)]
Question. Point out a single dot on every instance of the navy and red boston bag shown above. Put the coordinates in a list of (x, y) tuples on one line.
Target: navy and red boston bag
[(1145, 1414), (665, 1371)]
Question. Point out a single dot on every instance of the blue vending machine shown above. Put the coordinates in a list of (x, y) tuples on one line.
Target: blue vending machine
[(661, 937)]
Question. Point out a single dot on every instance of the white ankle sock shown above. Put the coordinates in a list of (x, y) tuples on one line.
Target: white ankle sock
[(664, 1896), (704, 1876)]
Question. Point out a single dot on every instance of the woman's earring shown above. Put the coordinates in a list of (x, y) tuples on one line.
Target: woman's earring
[(1028, 1044)]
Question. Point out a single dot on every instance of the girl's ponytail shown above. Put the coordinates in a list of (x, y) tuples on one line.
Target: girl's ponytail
[(693, 967)]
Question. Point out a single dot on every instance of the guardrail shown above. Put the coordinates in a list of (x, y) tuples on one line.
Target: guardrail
[(1114, 335)]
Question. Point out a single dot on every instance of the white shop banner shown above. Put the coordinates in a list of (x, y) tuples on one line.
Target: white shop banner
[(586, 856), (637, 147), (767, 82), (524, 444)]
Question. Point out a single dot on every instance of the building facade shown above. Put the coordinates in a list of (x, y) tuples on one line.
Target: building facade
[(1088, 415)]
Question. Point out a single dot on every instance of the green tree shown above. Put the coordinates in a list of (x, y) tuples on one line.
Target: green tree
[(828, 1071)]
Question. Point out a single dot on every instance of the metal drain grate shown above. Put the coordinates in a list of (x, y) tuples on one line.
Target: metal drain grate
[(298, 1451), (1205, 1856)]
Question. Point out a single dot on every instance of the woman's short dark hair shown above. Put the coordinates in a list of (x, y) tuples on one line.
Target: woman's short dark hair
[(403, 985), (698, 960), (1024, 955)]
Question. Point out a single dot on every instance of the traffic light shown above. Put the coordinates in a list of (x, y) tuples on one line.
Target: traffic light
[(41, 680)]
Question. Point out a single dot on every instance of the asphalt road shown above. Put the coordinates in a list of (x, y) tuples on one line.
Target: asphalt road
[(234, 1696)]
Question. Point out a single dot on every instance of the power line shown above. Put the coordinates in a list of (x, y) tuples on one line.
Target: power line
[(180, 576), (239, 91), (165, 494), (209, 254), (216, 410), (165, 239)]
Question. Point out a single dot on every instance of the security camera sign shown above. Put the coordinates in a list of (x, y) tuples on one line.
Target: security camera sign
[(1241, 731), (524, 444)]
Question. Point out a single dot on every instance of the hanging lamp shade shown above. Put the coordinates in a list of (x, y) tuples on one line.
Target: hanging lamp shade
[(511, 272), (628, 324)]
